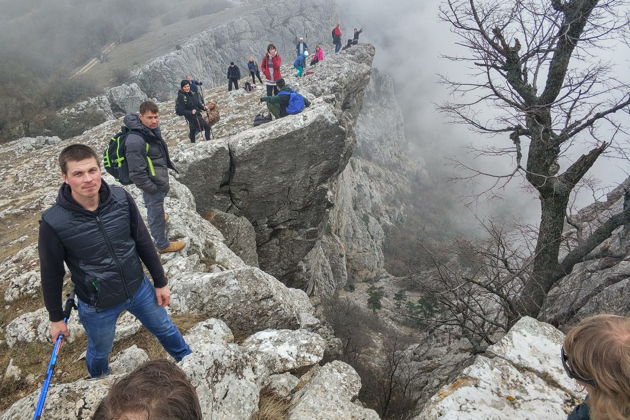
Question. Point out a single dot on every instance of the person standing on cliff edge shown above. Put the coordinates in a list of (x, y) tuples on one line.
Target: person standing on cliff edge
[(96, 229)]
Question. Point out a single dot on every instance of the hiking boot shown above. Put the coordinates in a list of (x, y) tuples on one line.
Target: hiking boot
[(174, 246)]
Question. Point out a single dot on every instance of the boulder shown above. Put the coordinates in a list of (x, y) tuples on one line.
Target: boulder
[(520, 377), (328, 394), (125, 99)]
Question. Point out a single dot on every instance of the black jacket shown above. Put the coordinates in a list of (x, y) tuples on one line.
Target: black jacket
[(185, 104), (150, 175), (102, 249), (233, 72), (580, 413)]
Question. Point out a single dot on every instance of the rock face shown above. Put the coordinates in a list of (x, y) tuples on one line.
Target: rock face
[(245, 30), (520, 377), (602, 283)]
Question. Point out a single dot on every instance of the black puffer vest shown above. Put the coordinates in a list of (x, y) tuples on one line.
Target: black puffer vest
[(100, 250)]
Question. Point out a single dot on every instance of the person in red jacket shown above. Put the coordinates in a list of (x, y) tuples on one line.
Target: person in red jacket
[(336, 35), (270, 66)]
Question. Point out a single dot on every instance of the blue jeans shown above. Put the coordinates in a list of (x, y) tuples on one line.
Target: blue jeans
[(337, 46), (154, 202), (100, 325)]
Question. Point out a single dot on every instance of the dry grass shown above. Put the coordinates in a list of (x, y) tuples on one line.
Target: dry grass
[(32, 358), (271, 406)]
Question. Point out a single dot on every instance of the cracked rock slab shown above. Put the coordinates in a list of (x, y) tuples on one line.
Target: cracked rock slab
[(520, 377)]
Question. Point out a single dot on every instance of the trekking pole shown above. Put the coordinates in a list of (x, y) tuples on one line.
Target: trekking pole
[(53, 358)]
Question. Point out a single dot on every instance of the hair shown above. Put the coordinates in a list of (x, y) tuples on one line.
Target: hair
[(271, 46), (157, 389), (75, 153), (598, 348), (148, 106), (280, 83)]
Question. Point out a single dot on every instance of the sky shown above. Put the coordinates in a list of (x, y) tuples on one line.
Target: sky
[(411, 40)]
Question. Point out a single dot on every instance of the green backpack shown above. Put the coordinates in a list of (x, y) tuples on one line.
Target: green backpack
[(114, 159)]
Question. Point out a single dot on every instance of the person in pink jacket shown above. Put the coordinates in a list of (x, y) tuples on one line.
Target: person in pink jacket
[(270, 66), (318, 56)]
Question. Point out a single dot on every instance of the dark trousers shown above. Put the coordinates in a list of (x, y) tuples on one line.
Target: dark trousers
[(272, 90), (196, 124), (254, 75), (337, 46), (314, 61), (232, 82)]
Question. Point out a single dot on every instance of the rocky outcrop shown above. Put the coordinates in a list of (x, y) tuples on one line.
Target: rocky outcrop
[(280, 175), (520, 377), (600, 284)]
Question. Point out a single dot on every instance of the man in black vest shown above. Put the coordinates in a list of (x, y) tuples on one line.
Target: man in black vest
[(97, 231)]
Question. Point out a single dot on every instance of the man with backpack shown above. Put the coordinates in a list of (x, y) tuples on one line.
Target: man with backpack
[(195, 88), (97, 231), (148, 161), (286, 102), (189, 107)]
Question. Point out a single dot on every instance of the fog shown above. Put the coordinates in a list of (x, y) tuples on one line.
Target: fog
[(411, 41)]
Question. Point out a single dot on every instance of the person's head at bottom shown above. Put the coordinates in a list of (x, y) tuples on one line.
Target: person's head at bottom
[(156, 390), (596, 353)]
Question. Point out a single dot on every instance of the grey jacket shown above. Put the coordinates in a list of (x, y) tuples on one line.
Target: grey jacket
[(148, 169)]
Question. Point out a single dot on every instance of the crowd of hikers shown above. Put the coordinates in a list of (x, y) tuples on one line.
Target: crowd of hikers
[(191, 105)]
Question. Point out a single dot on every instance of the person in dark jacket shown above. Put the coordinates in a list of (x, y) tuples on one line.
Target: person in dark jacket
[(252, 65), (148, 162), (301, 47), (336, 35), (355, 38), (596, 354), (96, 229), (189, 107), (277, 105), (233, 75), (195, 88)]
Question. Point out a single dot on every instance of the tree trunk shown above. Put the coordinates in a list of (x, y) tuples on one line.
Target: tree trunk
[(546, 267)]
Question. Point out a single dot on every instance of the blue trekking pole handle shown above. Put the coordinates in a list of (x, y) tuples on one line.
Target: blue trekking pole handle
[(53, 359)]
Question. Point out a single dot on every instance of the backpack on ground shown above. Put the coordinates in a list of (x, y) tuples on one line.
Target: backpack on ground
[(247, 87), (261, 119), (114, 159), (296, 101)]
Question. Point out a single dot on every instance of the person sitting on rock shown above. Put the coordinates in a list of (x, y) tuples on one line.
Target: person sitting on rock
[(277, 105), (157, 389), (355, 38), (188, 107), (318, 56), (596, 353), (252, 65), (348, 45), (233, 75)]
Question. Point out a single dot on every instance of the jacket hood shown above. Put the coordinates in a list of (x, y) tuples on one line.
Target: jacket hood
[(65, 200), (132, 122)]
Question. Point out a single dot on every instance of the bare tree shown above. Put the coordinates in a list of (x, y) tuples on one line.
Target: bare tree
[(535, 70)]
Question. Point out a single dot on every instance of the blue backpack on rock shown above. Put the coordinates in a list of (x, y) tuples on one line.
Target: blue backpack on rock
[(296, 101)]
